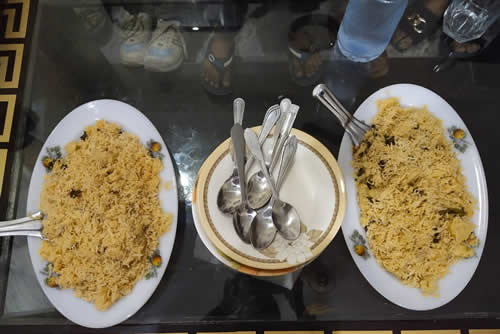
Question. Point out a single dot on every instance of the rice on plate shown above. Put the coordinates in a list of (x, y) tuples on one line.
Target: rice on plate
[(415, 207), (103, 214)]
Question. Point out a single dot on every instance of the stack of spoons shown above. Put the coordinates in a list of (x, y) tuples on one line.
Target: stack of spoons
[(258, 213), (288, 209)]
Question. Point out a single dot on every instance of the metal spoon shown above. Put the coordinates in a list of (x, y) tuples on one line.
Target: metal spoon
[(259, 191), (229, 196), (243, 216), (29, 226), (263, 230), (285, 217), (229, 193)]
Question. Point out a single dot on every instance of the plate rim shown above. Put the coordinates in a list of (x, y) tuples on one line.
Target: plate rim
[(337, 178), (171, 233), (482, 187)]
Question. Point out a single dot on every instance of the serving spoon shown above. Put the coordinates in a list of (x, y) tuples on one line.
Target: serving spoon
[(355, 128)]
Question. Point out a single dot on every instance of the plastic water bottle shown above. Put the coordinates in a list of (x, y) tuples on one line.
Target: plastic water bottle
[(367, 27)]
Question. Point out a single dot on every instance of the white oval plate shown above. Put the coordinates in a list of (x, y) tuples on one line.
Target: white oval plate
[(460, 273), (70, 128)]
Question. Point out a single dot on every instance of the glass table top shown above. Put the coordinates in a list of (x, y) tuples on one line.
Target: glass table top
[(75, 55)]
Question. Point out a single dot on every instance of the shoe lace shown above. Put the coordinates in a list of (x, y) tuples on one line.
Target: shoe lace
[(132, 27), (173, 36)]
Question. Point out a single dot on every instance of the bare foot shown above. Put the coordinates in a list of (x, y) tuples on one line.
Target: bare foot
[(469, 47)]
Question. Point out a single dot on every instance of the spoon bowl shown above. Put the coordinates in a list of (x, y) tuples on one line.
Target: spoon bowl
[(242, 221), (264, 227), (263, 230), (289, 225), (229, 196), (286, 219), (259, 191)]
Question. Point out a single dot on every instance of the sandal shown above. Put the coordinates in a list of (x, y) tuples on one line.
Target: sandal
[(220, 66), (313, 46), (455, 51), (417, 24), (302, 57)]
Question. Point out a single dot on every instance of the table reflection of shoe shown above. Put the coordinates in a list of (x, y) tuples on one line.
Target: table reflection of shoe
[(136, 31), (92, 17), (167, 48)]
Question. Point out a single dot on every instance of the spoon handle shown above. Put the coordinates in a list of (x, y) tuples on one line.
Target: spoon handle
[(29, 226), (238, 142), (284, 106), (286, 158), (254, 147), (238, 110), (28, 233), (272, 116), (290, 116), (270, 119), (22, 221)]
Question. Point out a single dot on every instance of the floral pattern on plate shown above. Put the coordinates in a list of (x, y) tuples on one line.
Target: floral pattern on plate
[(295, 251), (458, 136), (359, 246)]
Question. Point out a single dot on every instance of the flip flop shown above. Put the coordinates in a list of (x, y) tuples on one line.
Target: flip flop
[(220, 66), (316, 46), (302, 57), (452, 56), (417, 23)]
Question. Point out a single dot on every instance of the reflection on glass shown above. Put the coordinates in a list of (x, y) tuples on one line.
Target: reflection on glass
[(466, 20)]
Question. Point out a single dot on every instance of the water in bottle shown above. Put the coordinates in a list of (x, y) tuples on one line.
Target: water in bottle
[(367, 27)]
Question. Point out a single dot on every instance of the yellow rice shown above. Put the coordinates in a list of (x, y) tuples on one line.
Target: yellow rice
[(414, 203), (102, 239)]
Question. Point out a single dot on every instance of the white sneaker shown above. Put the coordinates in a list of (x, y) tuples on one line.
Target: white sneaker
[(167, 49), (136, 31)]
